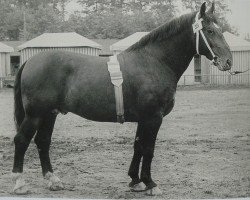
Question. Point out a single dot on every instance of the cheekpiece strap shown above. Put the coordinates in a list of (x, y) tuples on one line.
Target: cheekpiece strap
[(197, 29)]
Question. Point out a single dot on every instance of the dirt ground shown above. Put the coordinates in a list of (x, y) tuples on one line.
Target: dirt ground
[(202, 151)]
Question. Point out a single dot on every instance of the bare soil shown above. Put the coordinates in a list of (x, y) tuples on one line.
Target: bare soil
[(202, 150)]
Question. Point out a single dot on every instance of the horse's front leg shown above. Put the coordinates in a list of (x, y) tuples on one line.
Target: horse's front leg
[(136, 185), (151, 127)]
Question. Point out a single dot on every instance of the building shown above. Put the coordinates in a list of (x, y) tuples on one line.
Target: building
[(5, 69), (123, 44), (58, 41), (105, 43), (240, 49), (14, 56)]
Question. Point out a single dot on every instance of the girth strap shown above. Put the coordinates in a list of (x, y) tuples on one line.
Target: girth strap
[(117, 80)]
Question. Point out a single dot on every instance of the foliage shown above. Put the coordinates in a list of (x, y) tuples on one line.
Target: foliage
[(99, 18), (221, 9)]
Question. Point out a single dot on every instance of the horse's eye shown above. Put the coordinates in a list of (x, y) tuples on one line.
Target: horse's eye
[(210, 31)]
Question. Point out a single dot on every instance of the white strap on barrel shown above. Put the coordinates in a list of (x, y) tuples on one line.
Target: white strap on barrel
[(197, 29), (117, 80)]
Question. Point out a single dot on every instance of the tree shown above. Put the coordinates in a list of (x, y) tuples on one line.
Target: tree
[(163, 10), (119, 18), (42, 20), (221, 9), (10, 21)]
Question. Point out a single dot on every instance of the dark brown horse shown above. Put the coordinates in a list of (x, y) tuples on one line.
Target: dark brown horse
[(53, 82)]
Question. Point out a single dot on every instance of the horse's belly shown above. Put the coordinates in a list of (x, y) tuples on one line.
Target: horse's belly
[(93, 102), (96, 113)]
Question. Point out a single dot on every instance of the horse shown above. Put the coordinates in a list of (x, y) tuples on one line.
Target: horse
[(60, 82)]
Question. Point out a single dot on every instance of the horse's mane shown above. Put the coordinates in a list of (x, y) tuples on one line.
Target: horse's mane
[(165, 31)]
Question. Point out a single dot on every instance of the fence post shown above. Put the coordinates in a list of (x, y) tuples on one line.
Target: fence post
[(229, 79), (1, 82)]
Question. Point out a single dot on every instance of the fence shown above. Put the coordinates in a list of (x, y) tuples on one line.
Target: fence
[(8, 80), (227, 79)]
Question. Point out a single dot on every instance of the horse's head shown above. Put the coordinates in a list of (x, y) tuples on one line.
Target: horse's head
[(210, 41)]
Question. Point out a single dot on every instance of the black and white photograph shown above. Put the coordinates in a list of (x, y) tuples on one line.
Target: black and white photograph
[(124, 99)]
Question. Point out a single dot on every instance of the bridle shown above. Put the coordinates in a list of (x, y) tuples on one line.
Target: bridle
[(197, 29)]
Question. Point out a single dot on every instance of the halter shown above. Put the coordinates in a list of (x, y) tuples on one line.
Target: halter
[(197, 28)]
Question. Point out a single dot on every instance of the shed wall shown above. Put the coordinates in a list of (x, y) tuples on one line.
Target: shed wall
[(29, 52), (5, 64), (241, 62)]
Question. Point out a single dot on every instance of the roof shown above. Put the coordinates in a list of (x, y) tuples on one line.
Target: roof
[(5, 48), (236, 43), (127, 42), (60, 40), (106, 43), (13, 44)]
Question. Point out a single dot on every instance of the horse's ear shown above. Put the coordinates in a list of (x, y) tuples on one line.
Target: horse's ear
[(212, 9), (203, 10)]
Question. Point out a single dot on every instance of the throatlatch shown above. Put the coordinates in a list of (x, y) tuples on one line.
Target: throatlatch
[(117, 80)]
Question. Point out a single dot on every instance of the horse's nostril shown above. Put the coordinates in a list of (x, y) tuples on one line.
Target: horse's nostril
[(229, 62)]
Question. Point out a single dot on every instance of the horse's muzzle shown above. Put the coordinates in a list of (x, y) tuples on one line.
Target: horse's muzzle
[(222, 67)]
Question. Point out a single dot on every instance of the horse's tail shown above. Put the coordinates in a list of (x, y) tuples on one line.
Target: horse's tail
[(18, 103)]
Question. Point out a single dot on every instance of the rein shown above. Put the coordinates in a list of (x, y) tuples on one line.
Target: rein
[(237, 72)]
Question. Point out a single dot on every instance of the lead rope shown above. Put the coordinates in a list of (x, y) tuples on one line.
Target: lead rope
[(237, 72)]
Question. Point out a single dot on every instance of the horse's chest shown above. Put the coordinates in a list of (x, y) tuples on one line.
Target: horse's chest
[(168, 105)]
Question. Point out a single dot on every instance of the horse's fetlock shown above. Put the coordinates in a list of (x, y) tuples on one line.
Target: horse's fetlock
[(15, 175)]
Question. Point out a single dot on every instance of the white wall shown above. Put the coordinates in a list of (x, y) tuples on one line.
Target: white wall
[(188, 77), (4, 64)]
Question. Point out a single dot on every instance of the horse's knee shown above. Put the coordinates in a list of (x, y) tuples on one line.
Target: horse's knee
[(148, 152), (42, 142), (138, 146)]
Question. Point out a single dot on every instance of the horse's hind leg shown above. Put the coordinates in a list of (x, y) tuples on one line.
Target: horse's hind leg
[(22, 140), (43, 140), (136, 185)]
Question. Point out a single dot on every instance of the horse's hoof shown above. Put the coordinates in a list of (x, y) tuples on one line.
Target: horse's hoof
[(56, 186), (139, 187), (21, 188), (155, 191), (55, 183)]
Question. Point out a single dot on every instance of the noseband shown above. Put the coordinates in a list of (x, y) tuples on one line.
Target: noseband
[(197, 28)]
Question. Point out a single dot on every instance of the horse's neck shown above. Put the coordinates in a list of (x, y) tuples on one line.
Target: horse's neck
[(175, 52)]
